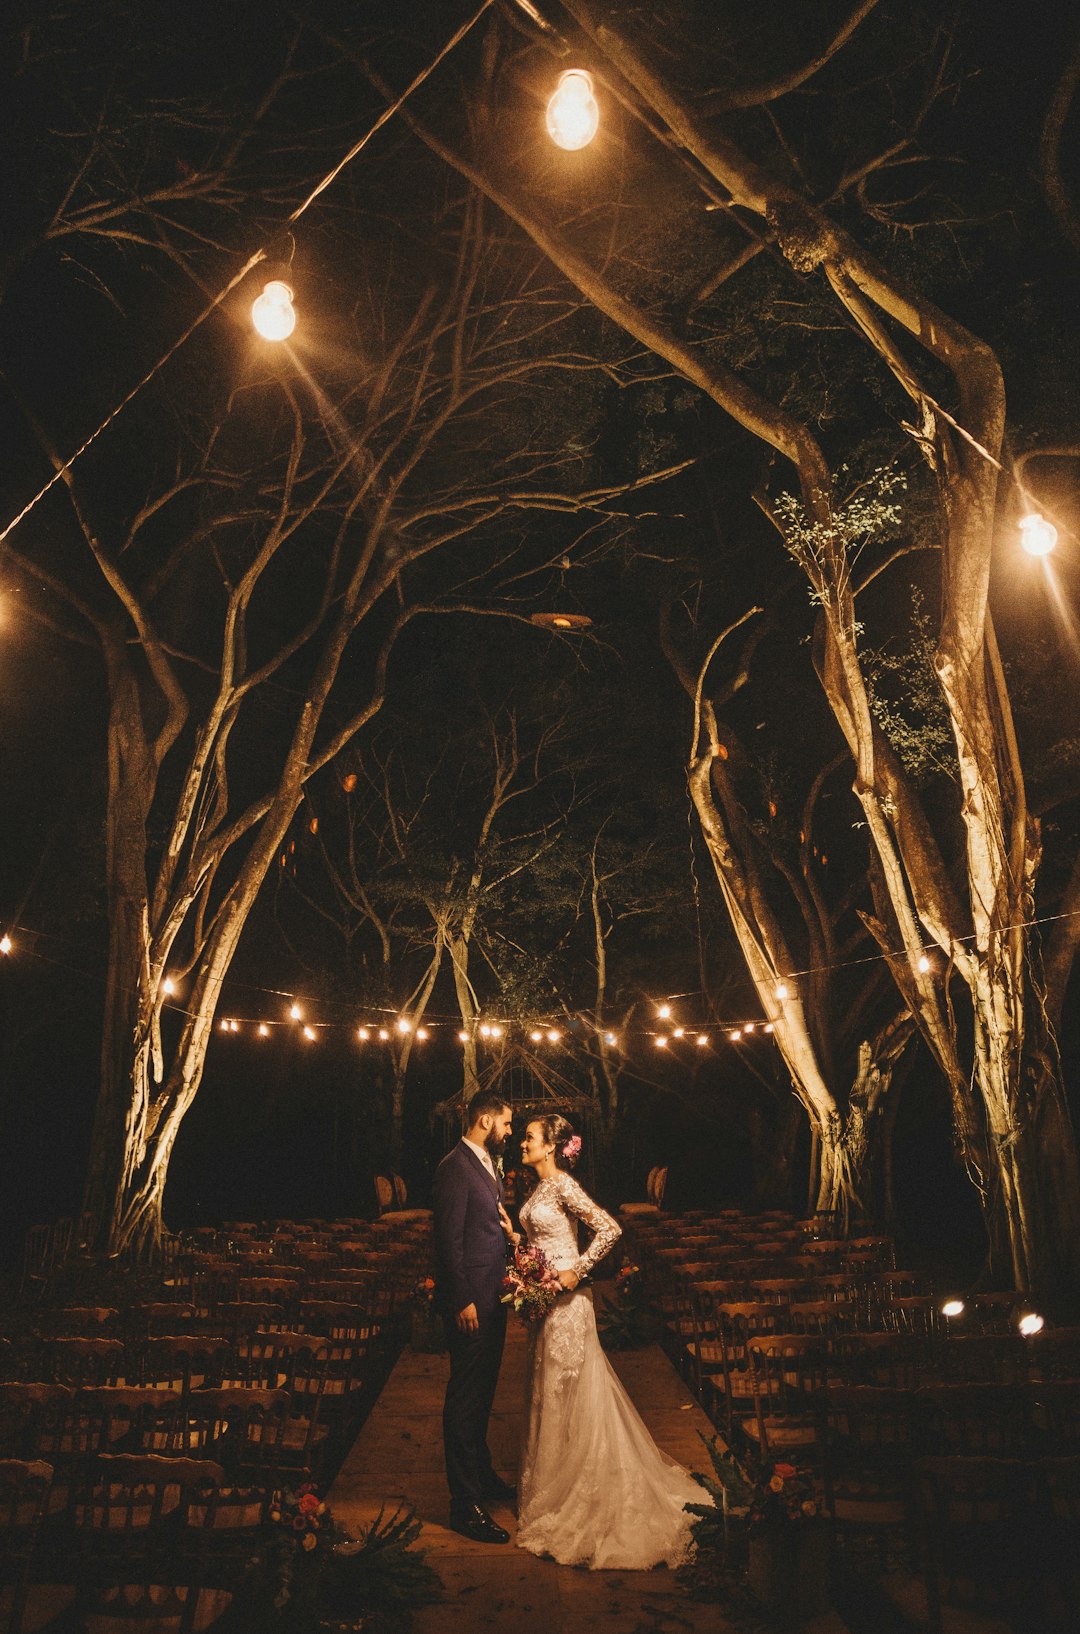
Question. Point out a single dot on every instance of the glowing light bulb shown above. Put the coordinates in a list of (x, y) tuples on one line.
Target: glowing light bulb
[(924, 963), (572, 112), (264, 1031), (383, 1035), (1037, 535), (610, 1038), (309, 1034), (273, 313), (168, 987), (363, 1034), (536, 1037), (768, 1027), (664, 1012), (1030, 1324), (554, 1035), (749, 1027), (735, 1034), (421, 1033), (296, 1013), (485, 1030), (783, 991), (6, 944), (661, 1042), (464, 1037), (234, 1026), (702, 1040), (223, 1025), (496, 1031), (679, 1032), (953, 1307), (402, 1025)]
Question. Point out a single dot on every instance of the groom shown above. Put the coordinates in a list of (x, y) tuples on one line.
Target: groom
[(470, 1258)]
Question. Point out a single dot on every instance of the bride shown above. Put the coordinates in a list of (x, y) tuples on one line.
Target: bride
[(595, 1490)]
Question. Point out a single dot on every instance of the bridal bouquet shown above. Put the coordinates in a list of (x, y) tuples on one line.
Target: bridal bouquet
[(531, 1286)]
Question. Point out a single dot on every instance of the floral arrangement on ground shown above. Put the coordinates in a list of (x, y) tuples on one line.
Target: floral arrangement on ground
[(627, 1320), (311, 1574)]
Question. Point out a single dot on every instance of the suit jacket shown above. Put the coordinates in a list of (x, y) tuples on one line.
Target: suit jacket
[(470, 1244)]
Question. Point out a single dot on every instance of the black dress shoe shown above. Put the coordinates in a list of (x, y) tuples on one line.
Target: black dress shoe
[(475, 1523), (498, 1488)]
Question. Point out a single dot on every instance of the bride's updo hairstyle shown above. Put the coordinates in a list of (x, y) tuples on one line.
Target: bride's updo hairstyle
[(560, 1134)]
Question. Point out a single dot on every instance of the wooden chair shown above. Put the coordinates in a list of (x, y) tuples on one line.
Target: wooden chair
[(185, 1361), (242, 1430), (80, 1362), (24, 1496), (977, 1535), (992, 1358), (736, 1323), (974, 1420), (35, 1265), (867, 1449), (788, 1373), (33, 1419), (892, 1361)]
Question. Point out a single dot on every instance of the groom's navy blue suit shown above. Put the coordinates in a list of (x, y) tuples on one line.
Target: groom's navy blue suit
[(470, 1261)]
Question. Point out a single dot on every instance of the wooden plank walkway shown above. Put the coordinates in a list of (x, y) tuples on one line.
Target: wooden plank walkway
[(497, 1588)]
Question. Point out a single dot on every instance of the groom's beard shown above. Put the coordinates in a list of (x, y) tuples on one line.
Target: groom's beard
[(496, 1144)]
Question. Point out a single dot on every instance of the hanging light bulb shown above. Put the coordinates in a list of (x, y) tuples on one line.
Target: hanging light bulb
[(924, 963), (1030, 1324), (273, 313), (496, 1031), (572, 112), (421, 1033), (749, 1026), (402, 1025), (223, 1025), (6, 944), (264, 1031), (953, 1307), (1037, 535), (363, 1034), (702, 1040), (768, 1027), (679, 1032), (661, 1042), (383, 1035), (610, 1038), (554, 1035), (485, 1030), (168, 987), (735, 1034), (664, 1012), (783, 991), (309, 1034), (536, 1037), (463, 1037), (234, 1026), (296, 1013)]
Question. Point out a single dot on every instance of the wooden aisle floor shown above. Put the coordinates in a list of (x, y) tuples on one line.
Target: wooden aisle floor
[(497, 1588)]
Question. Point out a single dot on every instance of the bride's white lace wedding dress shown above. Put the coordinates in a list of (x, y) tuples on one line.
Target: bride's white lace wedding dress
[(595, 1490)]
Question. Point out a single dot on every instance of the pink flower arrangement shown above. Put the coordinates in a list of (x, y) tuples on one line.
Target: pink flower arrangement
[(571, 1148), (531, 1285)]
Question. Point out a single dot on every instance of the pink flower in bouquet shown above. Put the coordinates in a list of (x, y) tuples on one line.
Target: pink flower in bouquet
[(531, 1285)]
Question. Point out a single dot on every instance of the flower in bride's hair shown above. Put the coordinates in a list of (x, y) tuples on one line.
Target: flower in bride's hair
[(571, 1148)]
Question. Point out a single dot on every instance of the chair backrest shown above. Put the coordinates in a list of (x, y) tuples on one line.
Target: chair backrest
[(83, 1361), (24, 1498), (242, 1428), (60, 1245), (384, 1193), (33, 1418), (401, 1195)]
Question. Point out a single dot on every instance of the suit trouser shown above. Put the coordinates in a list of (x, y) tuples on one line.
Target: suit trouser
[(475, 1359)]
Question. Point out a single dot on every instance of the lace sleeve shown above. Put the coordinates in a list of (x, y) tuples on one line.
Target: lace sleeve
[(606, 1231)]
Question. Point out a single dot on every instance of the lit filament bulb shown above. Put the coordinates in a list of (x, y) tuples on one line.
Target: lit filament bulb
[(309, 1034), (273, 313), (610, 1038), (1037, 535), (679, 1032), (363, 1034), (6, 944), (536, 1037), (953, 1307), (485, 1030), (421, 1033), (664, 1012), (554, 1035), (661, 1042), (463, 1037), (1030, 1324), (783, 991), (572, 112), (924, 963), (735, 1034), (168, 987), (496, 1031), (234, 1026), (295, 1012), (383, 1035), (403, 1026), (264, 1031), (702, 1040)]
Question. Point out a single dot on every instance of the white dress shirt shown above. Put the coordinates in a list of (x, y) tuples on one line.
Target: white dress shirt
[(484, 1155)]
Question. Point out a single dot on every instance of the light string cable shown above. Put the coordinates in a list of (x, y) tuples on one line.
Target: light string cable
[(252, 261), (439, 1019)]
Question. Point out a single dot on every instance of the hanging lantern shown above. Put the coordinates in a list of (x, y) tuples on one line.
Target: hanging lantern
[(272, 312), (572, 113)]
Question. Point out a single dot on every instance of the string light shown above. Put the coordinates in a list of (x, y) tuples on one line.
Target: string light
[(735, 1035), (384, 1036), (421, 1033), (363, 1034), (536, 1037), (768, 1027), (264, 1031), (223, 1025), (573, 116), (749, 1026), (664, 1012), (485, 1030), (554, 1036), (1037, 535), (234, 1026), (661, 1042), (610, 1038), (702, 1040), (309, 1034), (272, 312), (782, 991), (168, 987), (6, 944), (463, 1037), (296, 1013), (402, 1025), (924, 963), (679, 1032), (496, 1031)]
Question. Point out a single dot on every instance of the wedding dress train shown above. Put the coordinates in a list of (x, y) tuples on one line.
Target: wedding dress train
[(595, 1490)]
